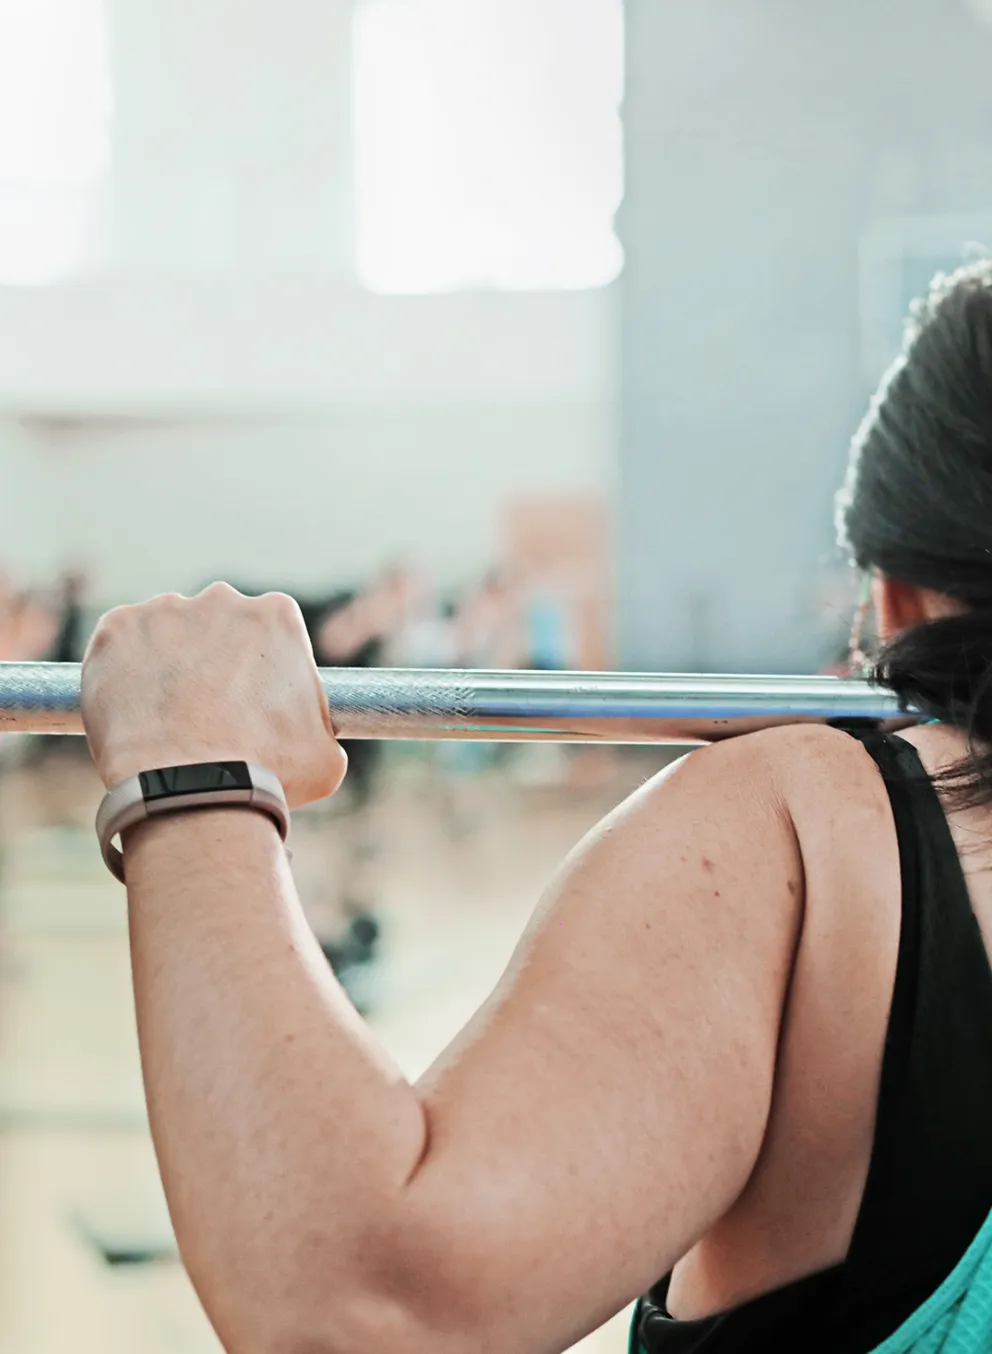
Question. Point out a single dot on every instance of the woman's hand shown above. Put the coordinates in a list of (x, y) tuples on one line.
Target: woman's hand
[(217, 677)]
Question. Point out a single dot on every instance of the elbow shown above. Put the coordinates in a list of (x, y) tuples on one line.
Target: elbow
[(403, 1286), (338, 1313), (342, 1316), (359, 1324), (423, 1286)]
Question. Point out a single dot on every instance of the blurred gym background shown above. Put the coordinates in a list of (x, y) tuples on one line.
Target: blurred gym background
[(508, 333)]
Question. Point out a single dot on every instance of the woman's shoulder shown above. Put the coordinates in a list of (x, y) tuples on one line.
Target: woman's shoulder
[(818, 779), (823, 772), (794, 761), (798, 757)]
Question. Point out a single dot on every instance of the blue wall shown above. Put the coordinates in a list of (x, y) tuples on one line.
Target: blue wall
[(764, 137)]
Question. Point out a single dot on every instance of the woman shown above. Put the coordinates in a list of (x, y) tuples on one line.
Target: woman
[(745, 1044)]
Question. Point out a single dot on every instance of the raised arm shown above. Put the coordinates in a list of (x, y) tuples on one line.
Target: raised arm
[(604, 1108)]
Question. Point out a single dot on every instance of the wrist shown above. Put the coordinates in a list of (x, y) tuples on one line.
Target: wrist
[(215, 837), (187, 790), (123, 763)]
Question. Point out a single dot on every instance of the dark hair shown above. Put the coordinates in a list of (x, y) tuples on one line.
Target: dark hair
[(917, 505)]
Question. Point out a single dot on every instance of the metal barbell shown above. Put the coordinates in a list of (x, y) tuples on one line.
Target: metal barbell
[(510, 707)]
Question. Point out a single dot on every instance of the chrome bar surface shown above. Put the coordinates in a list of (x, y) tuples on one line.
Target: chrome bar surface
[(510, 707)]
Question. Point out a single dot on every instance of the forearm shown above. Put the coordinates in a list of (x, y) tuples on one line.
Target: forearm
[(285, 1136)]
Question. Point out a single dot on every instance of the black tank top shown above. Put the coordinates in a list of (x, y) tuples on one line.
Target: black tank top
[(929, 1185)]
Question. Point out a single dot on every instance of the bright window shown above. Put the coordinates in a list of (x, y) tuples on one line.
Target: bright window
[(54, 134), (488, 143)]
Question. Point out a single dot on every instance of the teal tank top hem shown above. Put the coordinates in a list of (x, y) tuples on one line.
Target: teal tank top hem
[(957, 1318)]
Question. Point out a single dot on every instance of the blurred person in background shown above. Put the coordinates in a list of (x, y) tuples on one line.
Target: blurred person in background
[(488, 624), (428, 637), (550, 640), (483, 632), (29, 626), (70, 642), (352, 628)]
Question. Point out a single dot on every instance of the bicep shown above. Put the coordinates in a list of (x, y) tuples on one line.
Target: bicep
[(609, 1102)]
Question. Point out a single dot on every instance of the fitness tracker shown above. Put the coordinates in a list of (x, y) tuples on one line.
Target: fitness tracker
[(176, 789)]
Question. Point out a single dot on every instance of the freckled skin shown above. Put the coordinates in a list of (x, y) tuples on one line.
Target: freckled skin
[(656, 1084)]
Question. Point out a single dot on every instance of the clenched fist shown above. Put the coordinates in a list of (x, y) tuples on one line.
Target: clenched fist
[(217, 677)]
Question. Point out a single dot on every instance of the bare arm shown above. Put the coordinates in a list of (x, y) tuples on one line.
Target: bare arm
[(605, 1108), (599, 1114), (284, 1133)]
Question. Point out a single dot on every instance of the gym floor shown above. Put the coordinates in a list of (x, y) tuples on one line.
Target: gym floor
[(87, 1260)]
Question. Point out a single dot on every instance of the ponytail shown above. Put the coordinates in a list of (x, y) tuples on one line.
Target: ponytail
[(943, 670)]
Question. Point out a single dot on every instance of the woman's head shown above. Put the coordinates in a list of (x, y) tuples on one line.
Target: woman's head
[(916, 509), (917, 503)]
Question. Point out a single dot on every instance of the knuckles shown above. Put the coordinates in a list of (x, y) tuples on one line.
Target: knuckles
[(171, 624), (282, 607), (218, 597), (220, 592)]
